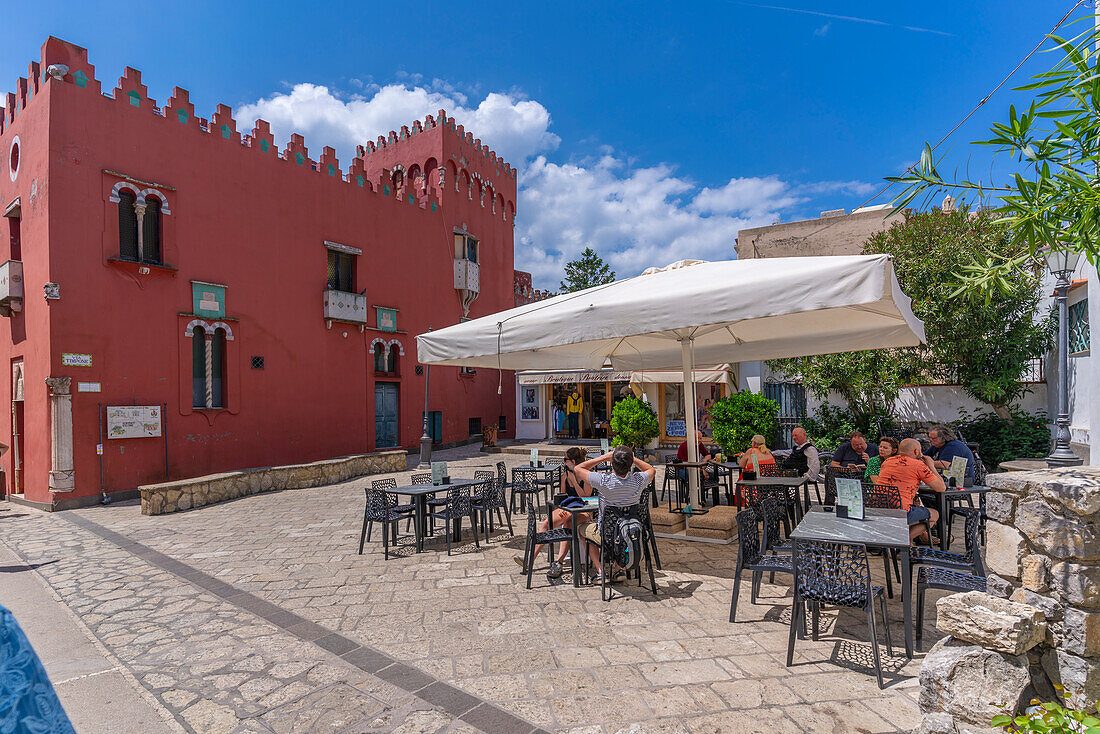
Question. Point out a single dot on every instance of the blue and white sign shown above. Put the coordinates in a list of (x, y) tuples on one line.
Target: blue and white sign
[(676, 428)]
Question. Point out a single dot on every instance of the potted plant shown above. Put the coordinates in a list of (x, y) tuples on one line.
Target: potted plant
[(734, 420), (634, 423)]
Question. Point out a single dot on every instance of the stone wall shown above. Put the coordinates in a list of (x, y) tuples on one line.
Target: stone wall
[(157, 499), (1039, 626)]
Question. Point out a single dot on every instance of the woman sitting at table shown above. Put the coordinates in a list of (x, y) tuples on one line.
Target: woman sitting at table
[(759, 449), (887, 447), (572, 486)]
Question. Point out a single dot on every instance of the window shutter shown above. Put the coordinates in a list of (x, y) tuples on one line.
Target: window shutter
[(127, 226), (198, 367), (218, 363)]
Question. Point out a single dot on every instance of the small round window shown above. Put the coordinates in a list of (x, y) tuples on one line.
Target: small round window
[(13, 158)]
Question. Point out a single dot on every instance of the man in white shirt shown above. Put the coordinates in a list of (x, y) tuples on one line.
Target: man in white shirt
[(617, 488), (804, 457)]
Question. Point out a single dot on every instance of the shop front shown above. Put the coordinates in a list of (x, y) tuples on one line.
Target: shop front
[(565, 404)]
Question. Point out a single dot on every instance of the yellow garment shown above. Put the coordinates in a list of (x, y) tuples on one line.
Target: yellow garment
[(575, 404)]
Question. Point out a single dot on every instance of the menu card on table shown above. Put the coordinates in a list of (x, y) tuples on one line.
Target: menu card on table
[(756, 464), (957, 470), (439, 470), (534, 457), (849, 497), (604, 445)]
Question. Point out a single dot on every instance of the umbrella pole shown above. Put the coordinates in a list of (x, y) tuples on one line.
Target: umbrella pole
[(689, 416)]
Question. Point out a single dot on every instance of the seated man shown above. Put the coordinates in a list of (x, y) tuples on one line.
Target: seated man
[(946, 446), (704, 456), (804, 457), (906, 471), (618, 488), (854, 451)]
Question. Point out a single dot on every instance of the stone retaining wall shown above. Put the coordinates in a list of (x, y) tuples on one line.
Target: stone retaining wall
[(158, 499)]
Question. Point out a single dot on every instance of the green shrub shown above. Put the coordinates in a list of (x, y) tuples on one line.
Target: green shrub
[(1022, 436), (1051, 718), (737, 418), (634, 423), (832, 425)]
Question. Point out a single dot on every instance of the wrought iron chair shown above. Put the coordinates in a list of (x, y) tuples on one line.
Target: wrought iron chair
[(650, 493), (935, 577), (524, 485), (672, 481), (489, 499), (550, 536), (884, 497), (421, 478), (608, 527), (836, 574), (757, 496), (954, 504), (751, 557), (832, 473), (391, 483), (381, 506), (459, 505)]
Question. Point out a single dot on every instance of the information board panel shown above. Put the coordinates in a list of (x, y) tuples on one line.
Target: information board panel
[(133, 421)]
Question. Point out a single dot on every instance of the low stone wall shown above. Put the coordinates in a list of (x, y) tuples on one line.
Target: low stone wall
[(158, 499)]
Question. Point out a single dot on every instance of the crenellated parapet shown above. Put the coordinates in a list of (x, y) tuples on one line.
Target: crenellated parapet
[(66, 63)]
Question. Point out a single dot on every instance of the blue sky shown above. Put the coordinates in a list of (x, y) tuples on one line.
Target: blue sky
[(651, 131)]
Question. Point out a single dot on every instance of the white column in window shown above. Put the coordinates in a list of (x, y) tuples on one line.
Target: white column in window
[(209, 370), (139, 207), (62, 474)]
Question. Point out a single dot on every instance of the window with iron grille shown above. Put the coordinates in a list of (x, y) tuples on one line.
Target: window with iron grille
[(1079, 327), (475, 426), (257, 363), (791, 399), (150, 231), (341, 271), (207, 368)]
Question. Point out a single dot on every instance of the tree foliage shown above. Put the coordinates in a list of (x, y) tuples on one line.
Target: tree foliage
[(1050, 199), (586, 271), (868, 381), (985, 347), (735, 419), (634, 422)]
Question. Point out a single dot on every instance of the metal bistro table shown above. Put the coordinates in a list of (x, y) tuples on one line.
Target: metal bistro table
[(880, 529), (698, 466), (781, 487), (544, 476), (419, 494), (591, 505), (942, 503)]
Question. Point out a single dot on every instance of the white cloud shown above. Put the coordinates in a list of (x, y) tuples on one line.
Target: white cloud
[(633, 216), (822, 30), (515, 128)]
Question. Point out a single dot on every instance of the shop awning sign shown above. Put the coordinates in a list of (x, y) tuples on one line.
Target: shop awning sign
[(570, 377)]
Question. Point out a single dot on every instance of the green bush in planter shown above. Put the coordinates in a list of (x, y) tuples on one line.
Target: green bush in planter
[(737, 418), (634, 423)]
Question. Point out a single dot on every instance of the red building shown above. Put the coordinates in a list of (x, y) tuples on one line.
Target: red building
[(183, 297), (525, 292)]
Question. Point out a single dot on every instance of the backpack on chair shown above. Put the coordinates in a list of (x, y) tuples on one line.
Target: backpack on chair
[(627, 549)]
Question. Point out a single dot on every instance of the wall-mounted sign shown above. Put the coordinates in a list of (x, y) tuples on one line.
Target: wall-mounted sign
[(133, 421), (387, 318), (99, 449), (52, 291), (89, 387), (208, 299), (676, 428), (570, 377), (69, 359)]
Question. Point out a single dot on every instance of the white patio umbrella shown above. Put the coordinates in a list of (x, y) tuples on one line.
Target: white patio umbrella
[(730, 311)]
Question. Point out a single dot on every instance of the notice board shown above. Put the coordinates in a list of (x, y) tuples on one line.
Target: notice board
[(133, 421)]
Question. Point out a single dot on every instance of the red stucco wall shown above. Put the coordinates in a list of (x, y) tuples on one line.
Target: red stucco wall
[(257, 223)]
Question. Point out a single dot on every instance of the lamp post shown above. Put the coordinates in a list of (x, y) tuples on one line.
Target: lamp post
[(426, 437), (1061, 264)]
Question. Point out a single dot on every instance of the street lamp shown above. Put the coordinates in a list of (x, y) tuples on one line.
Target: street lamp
[(1062, 264), (426, 437)]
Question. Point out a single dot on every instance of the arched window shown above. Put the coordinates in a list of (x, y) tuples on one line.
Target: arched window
[(127, 225), (395, 355), (379, 358), (198, 367), (398, 183), (150, 231), (217, 369)]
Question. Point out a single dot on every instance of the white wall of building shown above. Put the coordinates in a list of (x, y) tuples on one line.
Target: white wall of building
[(532, 430), (1084, 371)]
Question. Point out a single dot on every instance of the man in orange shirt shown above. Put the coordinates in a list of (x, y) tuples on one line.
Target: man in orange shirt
[(906, 471)]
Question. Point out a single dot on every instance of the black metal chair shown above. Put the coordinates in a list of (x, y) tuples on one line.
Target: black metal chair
[(726, 478), (650, 493), (832, 473), (490, 500), (421, 478), (550, 536), (954, 504), (884, 497), (524, 485), (751, 557), (381, 506), (608, 527), (758, 496), (391, 483), (837, 574), (459, 505), (970, 560), (935, 577)]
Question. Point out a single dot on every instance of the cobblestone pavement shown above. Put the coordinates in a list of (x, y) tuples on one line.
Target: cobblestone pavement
[(259, 615)]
